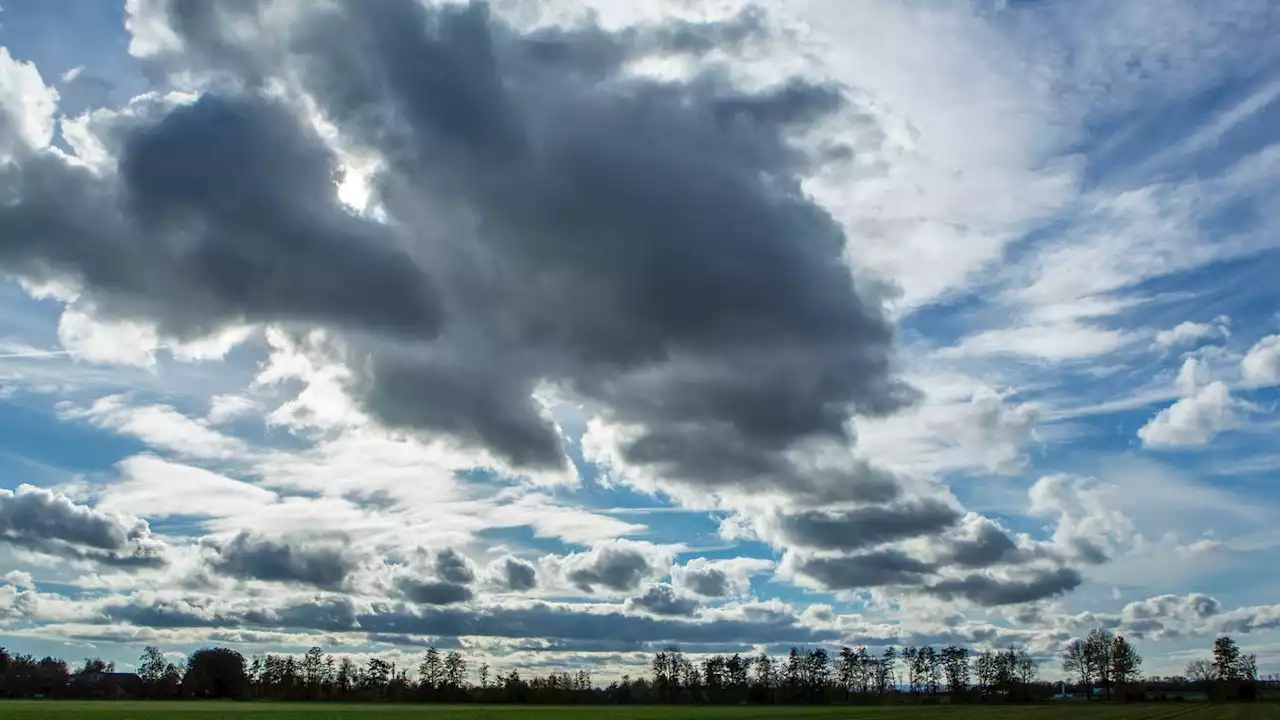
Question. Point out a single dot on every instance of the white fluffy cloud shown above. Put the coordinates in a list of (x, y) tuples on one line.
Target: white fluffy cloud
[(27, 107), (1190, 333), (1261, 366), (1196, 419)]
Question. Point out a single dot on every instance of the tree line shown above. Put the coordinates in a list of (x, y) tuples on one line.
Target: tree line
[(803, 676)]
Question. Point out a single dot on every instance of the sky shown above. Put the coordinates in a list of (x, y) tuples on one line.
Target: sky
[(561, 333)]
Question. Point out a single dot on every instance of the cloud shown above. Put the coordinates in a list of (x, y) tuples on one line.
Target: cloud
[(662, 599), (454, 567), (157, 488), (512, 573), (1196, 419), (226, 408), (19, 579), (1089, 522), (982, 544), (434, 592), (49, 523), (867, 570), (541, 621), (251, 557), (159, 426), (865, 526), (1191, 333), (449, 325), (620, 566), (222, 214), (988, 591), (962, 424), (1052, 342), (718, 578), (27, 107), (1261, 365)]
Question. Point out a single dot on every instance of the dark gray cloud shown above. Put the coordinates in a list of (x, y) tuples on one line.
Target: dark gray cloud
[(662, 599), (865, 527), (644, 244), (49, 523), (873, 569), (705, 581), (452, 573), (224, 211), (434, 592), (985, 546), (1090, 552), (250, 557), (452, 566), (617, 568), (512, 573), (989, 591)]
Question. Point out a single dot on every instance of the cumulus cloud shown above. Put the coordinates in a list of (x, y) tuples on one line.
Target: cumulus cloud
[(620, 566), (1191, 333), (864, 527), (27, 107), (1088, 525), (50, 523), (866, 570), (1196, 419), (988, 591), (223, 211), (512, 573), (251, 557), (1261, 365), (452, 566), (434, 592), (662, 599), (982, 543), (718, 578), (446, 580)]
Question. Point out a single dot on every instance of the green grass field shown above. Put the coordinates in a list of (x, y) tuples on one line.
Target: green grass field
[(59, 710)]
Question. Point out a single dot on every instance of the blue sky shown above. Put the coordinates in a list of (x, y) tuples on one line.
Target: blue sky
[(1057, 225)]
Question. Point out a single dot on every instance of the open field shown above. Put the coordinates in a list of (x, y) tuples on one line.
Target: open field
[(69, 710)]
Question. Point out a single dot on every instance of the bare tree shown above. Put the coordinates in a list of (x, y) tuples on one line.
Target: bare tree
[(1078, 661), (1201, 672)]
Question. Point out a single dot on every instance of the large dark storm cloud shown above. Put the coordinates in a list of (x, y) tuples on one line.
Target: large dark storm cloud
[(644, 245), (222, 211)]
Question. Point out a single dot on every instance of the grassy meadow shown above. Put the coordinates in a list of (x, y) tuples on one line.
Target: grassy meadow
[(122, 710)]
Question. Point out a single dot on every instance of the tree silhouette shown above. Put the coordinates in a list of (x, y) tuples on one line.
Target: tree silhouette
[(216, 672), (1078, 661), (1125, 661)]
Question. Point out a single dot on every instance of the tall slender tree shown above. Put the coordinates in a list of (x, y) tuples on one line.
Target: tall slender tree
[(1126, 663)]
